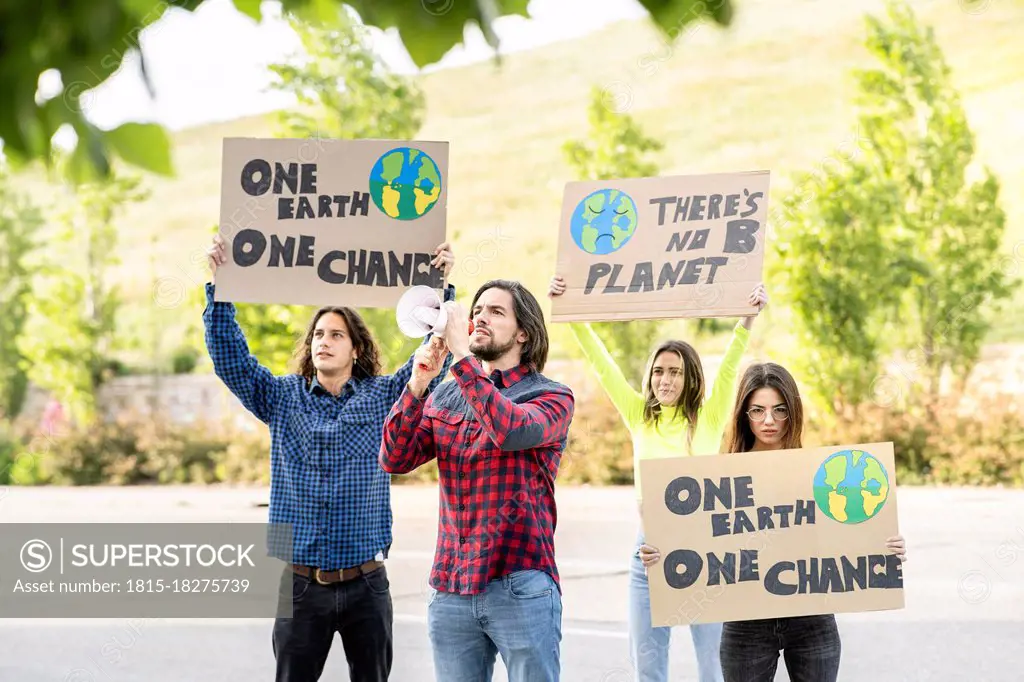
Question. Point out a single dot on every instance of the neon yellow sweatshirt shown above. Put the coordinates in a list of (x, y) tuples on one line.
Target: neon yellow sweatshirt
[(668, 439)]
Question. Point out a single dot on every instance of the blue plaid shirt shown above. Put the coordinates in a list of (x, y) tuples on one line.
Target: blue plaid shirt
[(325, 478)]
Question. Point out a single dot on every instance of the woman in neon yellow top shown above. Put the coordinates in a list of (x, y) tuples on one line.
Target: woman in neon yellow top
[(669, 418)]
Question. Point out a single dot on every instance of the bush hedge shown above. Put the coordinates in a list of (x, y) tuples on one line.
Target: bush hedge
[(935, 446)]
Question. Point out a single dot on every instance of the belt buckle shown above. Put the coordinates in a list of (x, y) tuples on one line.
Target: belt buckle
[(316, 576)]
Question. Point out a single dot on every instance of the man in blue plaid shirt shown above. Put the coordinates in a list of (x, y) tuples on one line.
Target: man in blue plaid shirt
[(325, 425)]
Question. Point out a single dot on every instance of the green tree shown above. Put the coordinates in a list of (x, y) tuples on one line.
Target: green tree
[(344, 91), (70, 338), (19, 227), (616, 147), (893, 248), (85, 42), (343, 88), (273, 330)]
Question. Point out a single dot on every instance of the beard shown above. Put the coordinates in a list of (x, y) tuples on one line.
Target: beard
[(491, 350)]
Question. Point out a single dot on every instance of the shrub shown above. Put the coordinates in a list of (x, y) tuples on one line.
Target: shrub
[(19, 463), (600, 450), (136, 449), (978, 448), (10, 448), (940, 444), (936, 446), (424, 474), (184, 360), (246, 459)]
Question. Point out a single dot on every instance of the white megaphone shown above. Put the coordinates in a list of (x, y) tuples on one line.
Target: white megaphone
[(420, 312)]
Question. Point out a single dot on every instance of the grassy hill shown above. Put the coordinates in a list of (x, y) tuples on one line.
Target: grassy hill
[(773, 92)]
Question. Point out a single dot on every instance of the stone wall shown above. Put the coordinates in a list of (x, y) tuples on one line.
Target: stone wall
[(185, 399)]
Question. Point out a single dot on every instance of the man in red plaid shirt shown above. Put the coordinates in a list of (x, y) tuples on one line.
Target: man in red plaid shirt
[(497, 431)]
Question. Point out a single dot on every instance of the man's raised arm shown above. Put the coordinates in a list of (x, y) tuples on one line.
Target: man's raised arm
[(252, 383)]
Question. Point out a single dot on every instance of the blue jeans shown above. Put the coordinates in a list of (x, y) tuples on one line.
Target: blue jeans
[(518, 616), (810, 645), (649, 646)]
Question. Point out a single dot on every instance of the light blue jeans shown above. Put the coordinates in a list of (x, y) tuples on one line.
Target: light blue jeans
[(518, 616), (649, 646)]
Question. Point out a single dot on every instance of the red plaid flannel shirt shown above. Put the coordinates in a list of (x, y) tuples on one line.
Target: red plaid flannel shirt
[(498, 441)]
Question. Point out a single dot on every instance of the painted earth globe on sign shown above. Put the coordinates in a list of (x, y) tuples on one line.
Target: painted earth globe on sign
[(604, 221), (851, 486), (405, 183)]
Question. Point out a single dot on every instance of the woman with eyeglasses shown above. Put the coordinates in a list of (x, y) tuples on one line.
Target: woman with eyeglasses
[(769, 415), (667, 418)]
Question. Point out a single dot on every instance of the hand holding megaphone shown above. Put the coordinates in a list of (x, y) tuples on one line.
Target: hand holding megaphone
[(430, 356), (427, 364), (420, 312), (457, 330)]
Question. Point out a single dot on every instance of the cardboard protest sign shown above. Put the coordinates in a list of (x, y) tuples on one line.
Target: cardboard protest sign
[(330, 222), (667, 247), (772, 534)]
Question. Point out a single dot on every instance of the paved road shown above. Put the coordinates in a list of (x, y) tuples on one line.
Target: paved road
[(964, 618)]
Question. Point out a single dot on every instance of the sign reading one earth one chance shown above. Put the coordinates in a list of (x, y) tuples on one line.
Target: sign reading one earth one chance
[(772, 534), (668, 247), (330, 222)]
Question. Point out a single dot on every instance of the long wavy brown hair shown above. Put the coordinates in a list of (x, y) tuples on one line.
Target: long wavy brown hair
[(689, 402), (367, 362), (740, 437)]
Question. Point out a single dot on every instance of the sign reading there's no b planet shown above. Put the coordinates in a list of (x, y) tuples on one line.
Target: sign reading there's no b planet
[(663, 247), (331, 222)]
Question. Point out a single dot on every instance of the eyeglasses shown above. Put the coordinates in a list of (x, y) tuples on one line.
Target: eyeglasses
[(780, 413)]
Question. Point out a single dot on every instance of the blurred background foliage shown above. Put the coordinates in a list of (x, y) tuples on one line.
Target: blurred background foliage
[(893, 253)]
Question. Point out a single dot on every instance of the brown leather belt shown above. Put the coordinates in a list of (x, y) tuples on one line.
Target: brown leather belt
[(329, 577)]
